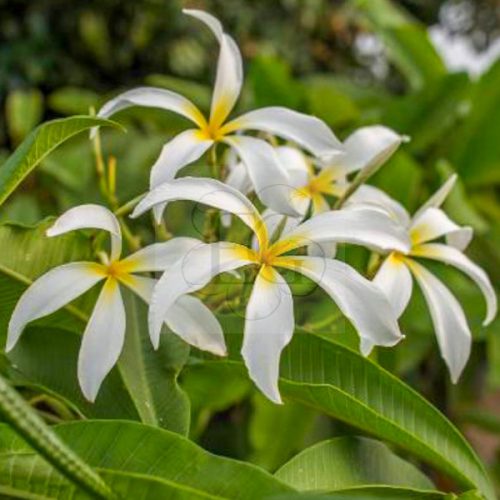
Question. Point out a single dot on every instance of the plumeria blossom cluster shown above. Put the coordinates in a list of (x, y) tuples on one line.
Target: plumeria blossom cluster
[(298, 230)]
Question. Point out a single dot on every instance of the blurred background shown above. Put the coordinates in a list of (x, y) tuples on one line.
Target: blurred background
[(428, 69)]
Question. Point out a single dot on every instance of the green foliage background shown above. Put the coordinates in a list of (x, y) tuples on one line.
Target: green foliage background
[(61, 58)]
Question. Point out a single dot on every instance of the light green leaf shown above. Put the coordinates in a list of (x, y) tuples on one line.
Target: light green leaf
[(135, 449), (343, 384), (38, 145), (24, 109), (408, 45), (151, 376), (370, 493), (349, 462)]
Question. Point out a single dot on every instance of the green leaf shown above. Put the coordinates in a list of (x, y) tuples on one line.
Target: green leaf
[(474, 147), (151, 376), (370, 493), (24, 109), (328, 102), (32, 428), (73, 100), (272, 83), (38, 145), (276, 432), (348, 462), (211, 388), (136, 449), (343, 384), (408, 45)]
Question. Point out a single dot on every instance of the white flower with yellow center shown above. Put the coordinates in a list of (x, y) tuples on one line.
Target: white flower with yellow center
[(103, 338), (269, 318), (394, 277), (366, 148), (269, 178)]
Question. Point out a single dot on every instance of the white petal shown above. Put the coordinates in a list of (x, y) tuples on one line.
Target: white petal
[(433, 223), (371, 195), (238, 178), (207, 192), (460, 239), (102, 340), (451, 327), (270, 180), (188, 317), (269, 325), (182, 150), (90, 217), (370, 146), (195, 323), (296, 164), (307, 131), (192, 273), (394, 279), (152, 97), (160, 256), (364, 226), (50, 292), (361, 301), (229, 69), (437, 199), (454, 257)]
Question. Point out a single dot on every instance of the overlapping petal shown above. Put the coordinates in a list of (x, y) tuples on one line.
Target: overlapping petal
[(50, 292), (102, 340), (450, 324), (269, 325), (361, 301), (371, 195), (308, 131), (159, 256), (270, 180), (90, 217), (207, 192), (433, 223), (394, 279), (454, 257), (364, 226), (192, 273), (369, 146)]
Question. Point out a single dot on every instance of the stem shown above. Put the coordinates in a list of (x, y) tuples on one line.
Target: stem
[(34, 431), (129, 206)]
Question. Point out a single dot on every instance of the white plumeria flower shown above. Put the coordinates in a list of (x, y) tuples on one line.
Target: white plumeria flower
[(269, 322), (269, 179), (394, 277), (366, 148), (103, 338)]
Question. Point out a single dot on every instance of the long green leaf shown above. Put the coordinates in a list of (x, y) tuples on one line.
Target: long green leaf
[(347, 462), (38, 145), (151, 376), (343, 384), (371, 493), (136, 449)]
